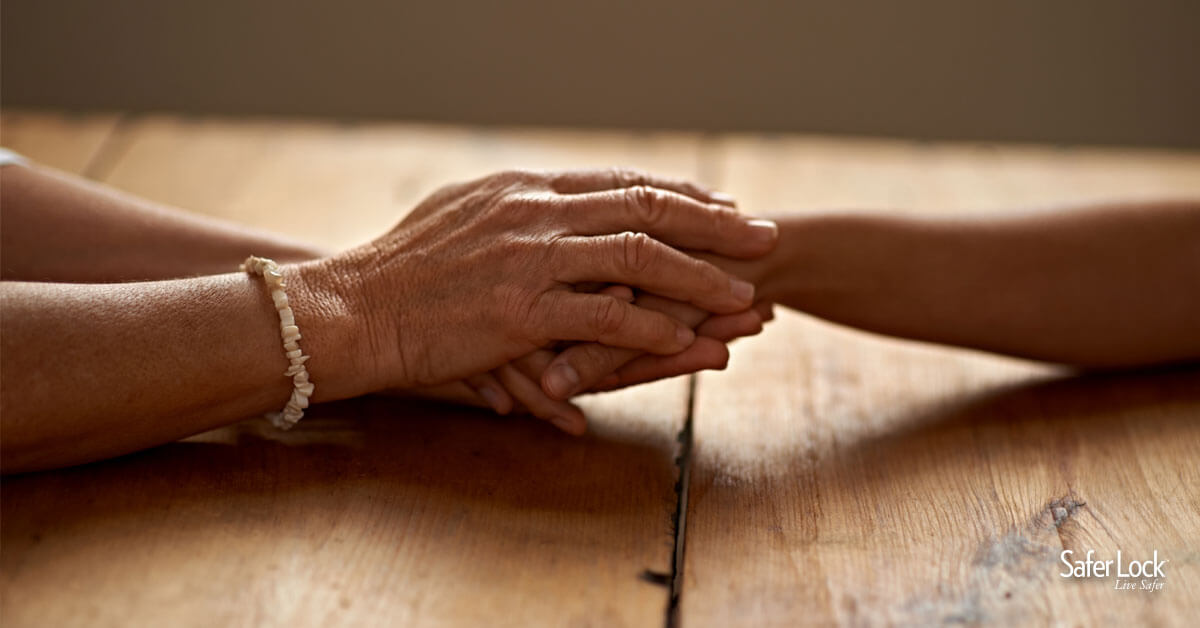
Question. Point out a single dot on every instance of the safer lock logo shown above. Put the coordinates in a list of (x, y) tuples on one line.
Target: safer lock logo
[(1145, 575)]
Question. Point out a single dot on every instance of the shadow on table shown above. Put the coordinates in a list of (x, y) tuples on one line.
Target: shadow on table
[(989, 486), (1044, 421), (1047, 415), (394, 450), (1052, 414)]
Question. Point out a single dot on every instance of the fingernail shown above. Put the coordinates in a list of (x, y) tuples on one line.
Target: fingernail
[(763, 230), (685, 336), (742, 290), (562, 380), (491, 396), (564, 424), (722, 197)]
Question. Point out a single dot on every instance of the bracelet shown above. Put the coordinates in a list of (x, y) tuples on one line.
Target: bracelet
[(303, 389)]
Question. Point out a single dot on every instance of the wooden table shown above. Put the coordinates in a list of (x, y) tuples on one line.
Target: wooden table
[(828, 477)]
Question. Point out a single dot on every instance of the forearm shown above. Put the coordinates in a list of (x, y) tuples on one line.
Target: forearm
[(91, 371), (1113, 286), (57, 227)]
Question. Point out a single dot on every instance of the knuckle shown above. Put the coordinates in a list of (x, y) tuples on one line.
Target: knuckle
[(511, 201), (592, 361), (560, 181), (717, 280), (705, 277), (627, 177), (724, 219), (516, 176), (610, 317), (692, 189), (602, 361), (555, 251), (511, 184), (591, 357), (648, 205), (637, 252)]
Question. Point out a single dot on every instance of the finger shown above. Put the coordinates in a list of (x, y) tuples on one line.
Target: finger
[(704, 354), (492, 391), (586, 366), (673, 218), (766, 309), (624, 293), (581, 367), (755, 271), (727, 327), (592, 366), (562, 315), (636, 259), (584, 181), (531, 365), (534, 363), (685, 313), (565, 416)]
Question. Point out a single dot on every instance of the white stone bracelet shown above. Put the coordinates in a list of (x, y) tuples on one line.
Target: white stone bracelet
[(303, 389)]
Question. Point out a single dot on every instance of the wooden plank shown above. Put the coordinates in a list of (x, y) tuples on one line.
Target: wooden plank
[(341, 185), (843, 478), (65, 141), (372, 512)]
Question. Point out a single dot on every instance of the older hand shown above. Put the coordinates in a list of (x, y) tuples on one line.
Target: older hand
[(542, 382), (482, 273)]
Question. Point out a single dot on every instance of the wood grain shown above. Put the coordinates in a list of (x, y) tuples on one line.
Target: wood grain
[(66, 142), (371, 512), (837, 477), (343, 184), (843, 478), (375, 512)]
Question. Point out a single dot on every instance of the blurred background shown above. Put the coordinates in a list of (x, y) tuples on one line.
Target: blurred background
[(1070, 71)]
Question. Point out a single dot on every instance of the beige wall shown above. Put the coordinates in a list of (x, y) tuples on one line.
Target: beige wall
[(1105, 71)]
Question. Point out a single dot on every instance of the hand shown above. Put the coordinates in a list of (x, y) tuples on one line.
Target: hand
[(590, 367), (709, 352), (514, 387), (482, 273), (525, 386)]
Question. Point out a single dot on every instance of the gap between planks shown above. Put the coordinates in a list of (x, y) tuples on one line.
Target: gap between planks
[(707, 170), (682, 489)]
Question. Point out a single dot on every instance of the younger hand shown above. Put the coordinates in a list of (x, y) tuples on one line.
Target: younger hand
[(529, 382)]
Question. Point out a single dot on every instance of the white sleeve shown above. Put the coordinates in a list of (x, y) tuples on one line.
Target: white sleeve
[(8, 157)]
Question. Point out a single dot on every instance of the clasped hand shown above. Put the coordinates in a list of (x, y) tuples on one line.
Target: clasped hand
[(519, 288)]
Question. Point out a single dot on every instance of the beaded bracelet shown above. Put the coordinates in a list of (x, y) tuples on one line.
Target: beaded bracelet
[(303, 389)]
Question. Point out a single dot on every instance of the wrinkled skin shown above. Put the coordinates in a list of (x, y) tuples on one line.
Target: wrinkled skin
[(488, 272)]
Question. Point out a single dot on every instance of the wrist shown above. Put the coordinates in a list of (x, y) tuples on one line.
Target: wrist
[(778, 276), (810, 263), (333, 331)]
